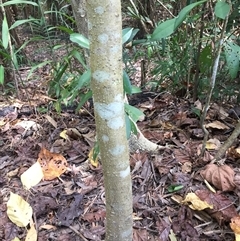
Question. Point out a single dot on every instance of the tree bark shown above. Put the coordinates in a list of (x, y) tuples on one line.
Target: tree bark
[(80, 13), (105, 35)]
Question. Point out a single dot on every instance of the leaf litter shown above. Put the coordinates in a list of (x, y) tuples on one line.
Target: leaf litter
[(69, 203)]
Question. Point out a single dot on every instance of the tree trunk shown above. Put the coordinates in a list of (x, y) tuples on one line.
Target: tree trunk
[(105, 34), (80, 14)]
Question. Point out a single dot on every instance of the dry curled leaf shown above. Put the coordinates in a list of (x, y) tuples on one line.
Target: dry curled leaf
[(217, 125), (53, 164), (235, 226), (220, 176), (234, 152), (195, 202), (223, 208)]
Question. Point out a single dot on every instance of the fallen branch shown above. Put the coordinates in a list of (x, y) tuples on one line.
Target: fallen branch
[(227, 143)]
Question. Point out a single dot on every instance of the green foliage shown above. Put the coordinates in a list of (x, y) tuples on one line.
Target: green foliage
[(134, 113), (175, 188), (183, 56), (167, 28), (1, 74), (80, 40), (15, 2), (66, 85), (171, 49), (5, 33), (232, 53), (222, 9)]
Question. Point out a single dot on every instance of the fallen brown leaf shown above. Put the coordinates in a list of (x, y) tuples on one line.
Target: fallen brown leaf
[(223, 208), (235, 226), (220, 176)]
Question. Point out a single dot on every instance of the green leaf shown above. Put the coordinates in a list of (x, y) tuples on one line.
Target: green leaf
[(84, 99), (80, 40), (128, 126), (57, 106), (222, 9), (15, 61), (174, 188), (5, 33), (19, 22), (196, 111), (60, 72), (79, 57), (184, 12), (18, 2), (1, 74), (133, 112), (136, 89), (232, 53), (96, 150), (166, 28), (133, 128), (163, 30), (126, 34), (64, 29), (127, 86), (84, 79), (205, 58)]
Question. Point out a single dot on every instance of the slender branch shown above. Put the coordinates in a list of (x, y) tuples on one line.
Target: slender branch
[(212, 85), (227, 143)]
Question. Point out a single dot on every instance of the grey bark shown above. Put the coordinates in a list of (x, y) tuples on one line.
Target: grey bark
[(80, 14), (105, 35)]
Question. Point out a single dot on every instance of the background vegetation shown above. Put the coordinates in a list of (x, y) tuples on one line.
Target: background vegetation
[(180, 62)]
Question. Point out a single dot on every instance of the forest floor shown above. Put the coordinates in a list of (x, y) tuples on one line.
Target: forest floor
[(72, 207)]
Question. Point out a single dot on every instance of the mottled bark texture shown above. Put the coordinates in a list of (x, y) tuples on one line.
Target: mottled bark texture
[(105, 35)]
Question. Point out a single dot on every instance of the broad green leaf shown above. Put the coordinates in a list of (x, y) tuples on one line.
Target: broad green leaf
[(133, 128), (126, 34), (133, 112), (15, 61), (80, 40), (184, 12), (136, 89), (79, 57), (128, 126), (18, 2), (1, 74), (222, 9), (232, 53), (205, 58), (84, 79), (163, 30), (19, 22), (166, 28), (127, 86), (134, 32), (5, 33)]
